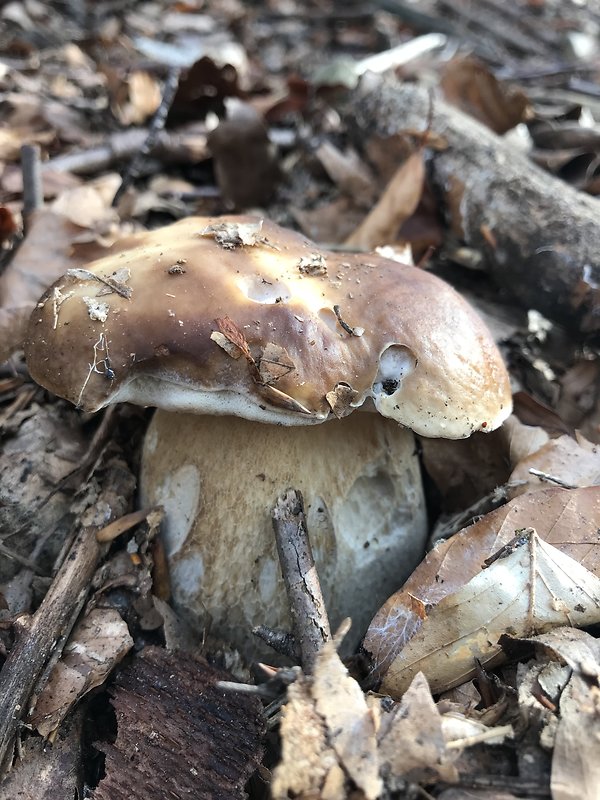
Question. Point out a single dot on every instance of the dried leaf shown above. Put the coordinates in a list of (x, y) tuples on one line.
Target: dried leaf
[(234, 234), (561, 461), (138, 98), (571, 658), (533, 588), (96, 645), (111, 282), (230, 348), (567, 519), (88, 206), (328, 733), (235, 336), (314, 264), (348, 172), (274, 363), (411, 740), (96, 310), (341, 398), (397, 203)]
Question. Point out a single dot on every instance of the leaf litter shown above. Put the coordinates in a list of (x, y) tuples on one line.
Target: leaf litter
[(336, 188)]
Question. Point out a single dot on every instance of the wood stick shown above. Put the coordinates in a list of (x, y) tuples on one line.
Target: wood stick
[(56, 615), (33, 195), (545, 250), (309, 615), (281, 642)]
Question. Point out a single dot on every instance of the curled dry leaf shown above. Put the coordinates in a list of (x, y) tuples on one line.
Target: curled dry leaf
[(397, 203), (569, 520), (96, 645)]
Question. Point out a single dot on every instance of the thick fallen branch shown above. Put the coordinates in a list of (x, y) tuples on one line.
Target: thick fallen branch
[(57, 614), (540, 238)]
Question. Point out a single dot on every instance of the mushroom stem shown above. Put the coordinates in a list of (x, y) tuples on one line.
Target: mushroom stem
[(307, 607)]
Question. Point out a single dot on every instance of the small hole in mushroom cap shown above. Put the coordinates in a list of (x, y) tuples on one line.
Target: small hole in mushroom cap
[(261, 290), (395, 363)]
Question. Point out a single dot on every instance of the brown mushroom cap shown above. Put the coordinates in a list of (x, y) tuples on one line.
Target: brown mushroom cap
[(223, 315)]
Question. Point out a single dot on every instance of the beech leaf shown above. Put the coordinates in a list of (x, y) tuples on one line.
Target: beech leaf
[(533, 588)]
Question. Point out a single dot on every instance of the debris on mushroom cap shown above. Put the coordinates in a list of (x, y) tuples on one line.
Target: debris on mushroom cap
[(391, 333)]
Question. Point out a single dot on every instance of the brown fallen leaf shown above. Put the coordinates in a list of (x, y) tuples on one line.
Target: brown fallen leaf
[(348, 172), (136, 98), (468, 84), (533, 588), (398, 202), (567, 519)]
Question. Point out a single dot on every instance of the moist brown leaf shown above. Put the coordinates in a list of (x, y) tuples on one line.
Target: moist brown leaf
[(398, 202), (468, 84)]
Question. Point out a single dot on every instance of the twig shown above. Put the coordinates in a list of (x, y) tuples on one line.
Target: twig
[(543, 476), (33, 194), (156, 126), (281, 641), (57, 613), (309, 615)]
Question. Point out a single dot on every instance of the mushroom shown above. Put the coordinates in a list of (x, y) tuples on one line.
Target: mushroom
[(258, 348)]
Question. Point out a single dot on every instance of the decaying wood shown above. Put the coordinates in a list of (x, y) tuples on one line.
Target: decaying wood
[(179, 734), (307, 607), (34, 649), (544, 247)]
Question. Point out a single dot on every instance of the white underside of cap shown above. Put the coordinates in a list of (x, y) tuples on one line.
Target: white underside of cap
[(169, 395)]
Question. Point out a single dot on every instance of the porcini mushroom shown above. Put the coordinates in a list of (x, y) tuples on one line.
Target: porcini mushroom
[(245, 320)]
